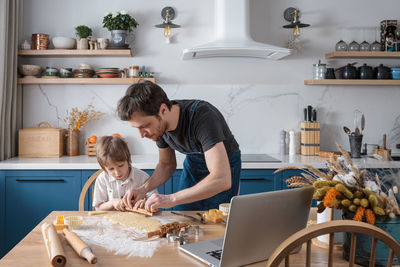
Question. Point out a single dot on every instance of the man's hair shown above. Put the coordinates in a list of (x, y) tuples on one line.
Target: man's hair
[(145, 97), (112, 148)]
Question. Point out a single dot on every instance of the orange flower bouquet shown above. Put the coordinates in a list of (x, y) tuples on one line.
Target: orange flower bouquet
[(76, 119), (344, 186)]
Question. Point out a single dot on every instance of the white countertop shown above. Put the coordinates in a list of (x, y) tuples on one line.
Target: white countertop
[(149, 161)]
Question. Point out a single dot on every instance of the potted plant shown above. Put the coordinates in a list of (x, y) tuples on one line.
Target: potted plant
[(83, 32), (119, 24)]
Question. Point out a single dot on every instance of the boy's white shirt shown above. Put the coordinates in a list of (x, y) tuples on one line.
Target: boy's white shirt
[(107, 187)]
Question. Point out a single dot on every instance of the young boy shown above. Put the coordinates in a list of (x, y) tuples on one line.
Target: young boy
[(118, 176)]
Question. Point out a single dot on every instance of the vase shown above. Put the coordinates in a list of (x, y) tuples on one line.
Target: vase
[(82, 44), (72, 143), (118, 39), (363, 245)]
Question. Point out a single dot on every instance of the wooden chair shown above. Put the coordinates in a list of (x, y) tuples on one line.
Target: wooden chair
[(86, 187), (306, 235)]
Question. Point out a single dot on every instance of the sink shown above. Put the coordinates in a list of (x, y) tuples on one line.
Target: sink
[(258, 158)]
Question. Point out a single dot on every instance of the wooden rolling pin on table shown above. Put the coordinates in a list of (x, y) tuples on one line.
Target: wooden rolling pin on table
[(80, 247)]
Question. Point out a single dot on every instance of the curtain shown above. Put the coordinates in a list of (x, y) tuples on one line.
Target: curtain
[(10, 92)]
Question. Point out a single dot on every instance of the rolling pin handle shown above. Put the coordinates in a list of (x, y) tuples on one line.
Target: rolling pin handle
[(88, 255)]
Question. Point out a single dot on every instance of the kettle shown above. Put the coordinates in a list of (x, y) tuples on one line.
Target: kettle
[(382, 72)]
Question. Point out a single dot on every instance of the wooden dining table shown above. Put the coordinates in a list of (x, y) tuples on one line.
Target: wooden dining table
[(31, 250)]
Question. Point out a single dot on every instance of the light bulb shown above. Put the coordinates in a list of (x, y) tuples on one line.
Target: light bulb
[(296, 31), (167, 31)]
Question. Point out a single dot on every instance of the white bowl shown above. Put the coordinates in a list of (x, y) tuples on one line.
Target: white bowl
[(30, 70), (60, 42)]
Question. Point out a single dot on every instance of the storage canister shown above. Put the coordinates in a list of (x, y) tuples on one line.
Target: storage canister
[(319, 71)]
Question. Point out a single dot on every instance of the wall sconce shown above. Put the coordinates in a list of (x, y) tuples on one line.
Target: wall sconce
[(168, 14), (291, 14)]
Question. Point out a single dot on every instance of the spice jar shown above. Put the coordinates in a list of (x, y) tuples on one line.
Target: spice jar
[(133, 71), (319, 71)]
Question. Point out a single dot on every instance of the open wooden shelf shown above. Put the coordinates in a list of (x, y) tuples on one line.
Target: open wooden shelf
[(82, 80), (76, 53), (362, 54), (351, 82)]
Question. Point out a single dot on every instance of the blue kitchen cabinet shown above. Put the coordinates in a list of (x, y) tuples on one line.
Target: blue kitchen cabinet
[(2, 214), (31, 195), (259, 180)]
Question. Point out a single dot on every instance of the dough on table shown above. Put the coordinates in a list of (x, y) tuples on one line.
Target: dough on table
[(134, 220)]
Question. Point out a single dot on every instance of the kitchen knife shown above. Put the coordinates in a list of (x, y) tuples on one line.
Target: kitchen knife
[(309, 113), (305, 114), (187, 216), (314, 115)]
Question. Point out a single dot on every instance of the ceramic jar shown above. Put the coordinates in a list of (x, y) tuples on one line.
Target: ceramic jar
[(72, 146), (382, 72), (349, 72), (366, 72)]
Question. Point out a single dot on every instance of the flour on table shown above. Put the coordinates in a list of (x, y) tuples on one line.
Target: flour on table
[(134, 221), (118, 239)]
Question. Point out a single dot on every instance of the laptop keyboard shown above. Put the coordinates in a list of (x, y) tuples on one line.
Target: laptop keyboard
[(215, 253)]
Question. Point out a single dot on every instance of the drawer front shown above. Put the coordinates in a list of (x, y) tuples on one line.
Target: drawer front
[(32, 195), (259, 180)]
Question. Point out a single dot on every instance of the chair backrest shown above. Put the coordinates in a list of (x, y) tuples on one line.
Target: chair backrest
[(85, 188), (354, 227)]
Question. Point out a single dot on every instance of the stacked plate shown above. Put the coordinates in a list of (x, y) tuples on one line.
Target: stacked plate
[(83, 73), (108, 72)]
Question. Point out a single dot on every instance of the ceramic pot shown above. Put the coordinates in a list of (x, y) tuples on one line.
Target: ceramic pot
[(118, 39), (364, 242), (72, 143), (382, 72), (82, 44), (349, 72), (366, 72)]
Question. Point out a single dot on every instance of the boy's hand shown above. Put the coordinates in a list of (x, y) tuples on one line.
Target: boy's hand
[(118, 204), (132, 196)]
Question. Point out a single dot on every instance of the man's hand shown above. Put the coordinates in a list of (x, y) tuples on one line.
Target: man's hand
[(118, 204), (132, 196), (157, 201)]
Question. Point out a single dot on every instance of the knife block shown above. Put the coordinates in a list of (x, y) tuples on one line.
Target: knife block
[(310, 138)]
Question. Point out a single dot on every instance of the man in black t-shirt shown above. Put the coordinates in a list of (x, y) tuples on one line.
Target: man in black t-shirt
[(212, 166)]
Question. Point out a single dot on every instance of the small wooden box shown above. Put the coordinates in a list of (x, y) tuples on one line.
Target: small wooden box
[(91, 149), (310, 138), (40, 142)]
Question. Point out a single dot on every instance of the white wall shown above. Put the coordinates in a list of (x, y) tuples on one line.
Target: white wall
[(258, 97)]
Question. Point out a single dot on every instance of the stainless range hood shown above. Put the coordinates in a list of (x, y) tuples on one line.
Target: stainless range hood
[(232, 36)]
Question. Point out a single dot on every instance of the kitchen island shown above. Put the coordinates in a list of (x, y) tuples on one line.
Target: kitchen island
[(31, 251)]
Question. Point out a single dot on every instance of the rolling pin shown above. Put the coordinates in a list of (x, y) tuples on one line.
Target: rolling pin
[(53, 244), (80, 247)]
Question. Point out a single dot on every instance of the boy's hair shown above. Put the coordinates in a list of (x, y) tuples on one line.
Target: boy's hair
[(112, 148), (145, 97)]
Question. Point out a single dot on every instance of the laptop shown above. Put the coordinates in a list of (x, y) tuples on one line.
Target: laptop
[(256, 225)]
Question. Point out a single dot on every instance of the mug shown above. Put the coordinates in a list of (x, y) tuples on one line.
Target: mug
[(103, 43)]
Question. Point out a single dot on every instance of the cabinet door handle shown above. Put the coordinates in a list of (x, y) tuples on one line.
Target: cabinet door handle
[(40, 180)]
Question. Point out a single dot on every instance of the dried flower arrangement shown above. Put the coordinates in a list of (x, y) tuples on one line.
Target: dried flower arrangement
[(347, 187), (76, 119)]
